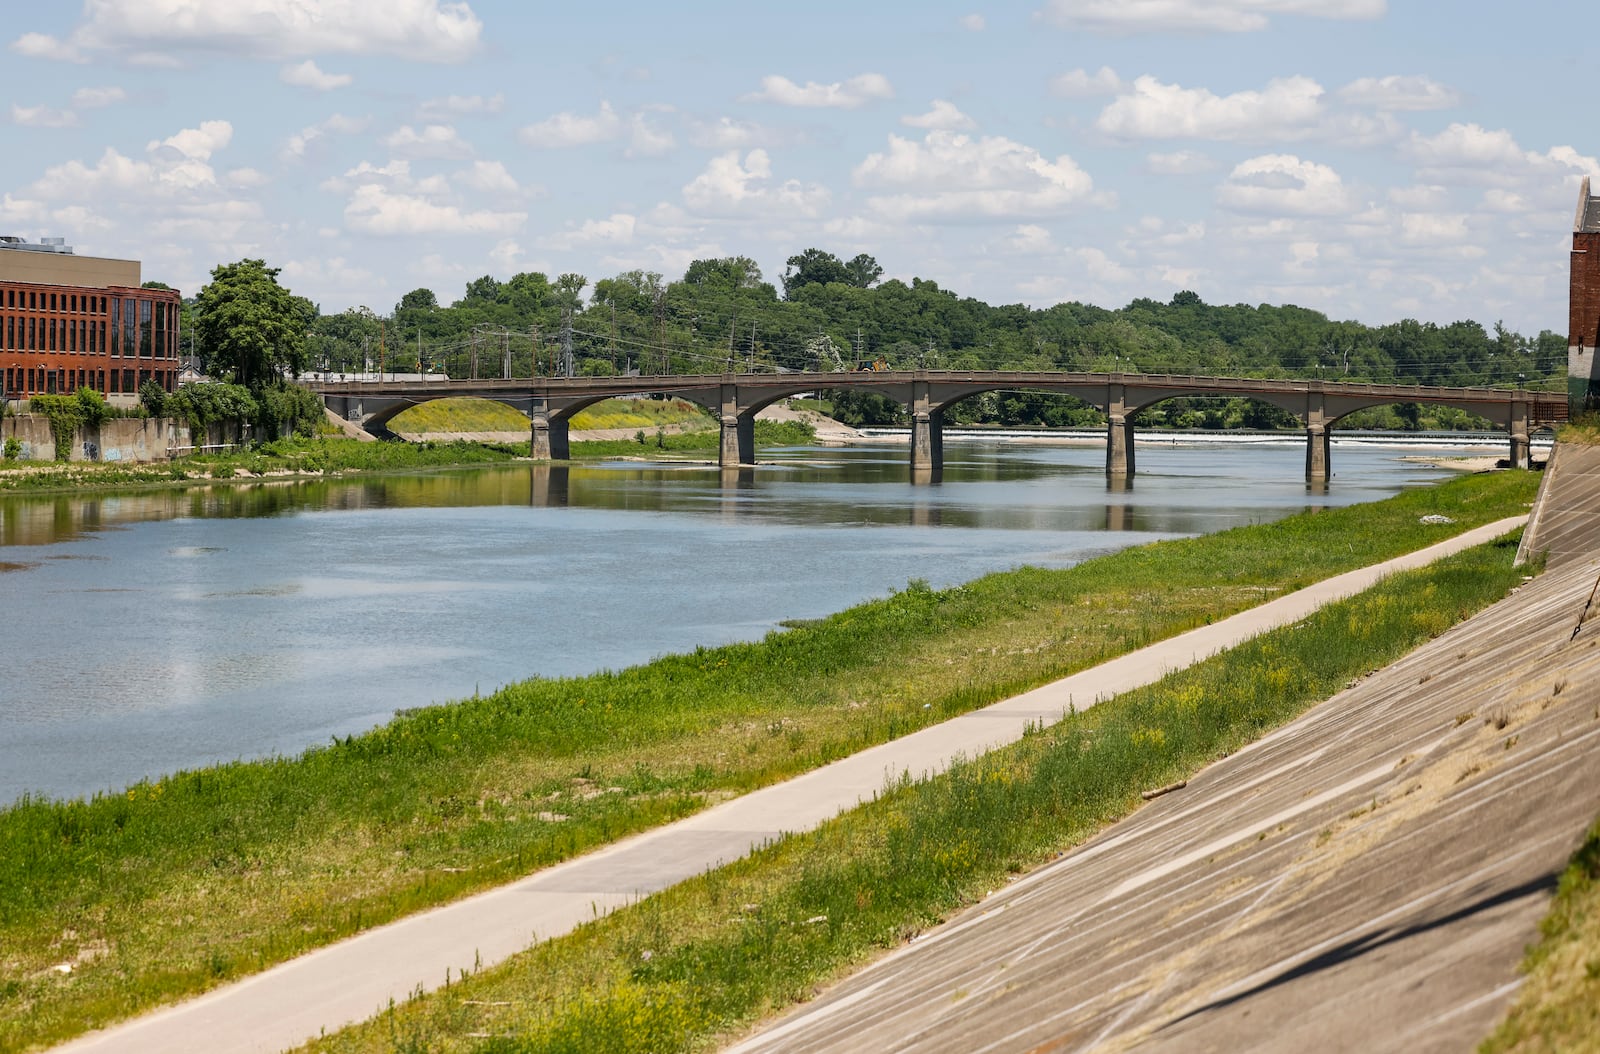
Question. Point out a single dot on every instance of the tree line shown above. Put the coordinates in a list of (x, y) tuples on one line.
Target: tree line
[(830, 314)]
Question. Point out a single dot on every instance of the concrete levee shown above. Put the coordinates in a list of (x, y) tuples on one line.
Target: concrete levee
[(1565, 525), (131, 439)]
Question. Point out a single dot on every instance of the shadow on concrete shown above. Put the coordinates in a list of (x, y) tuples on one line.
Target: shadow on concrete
[(1543, 885)]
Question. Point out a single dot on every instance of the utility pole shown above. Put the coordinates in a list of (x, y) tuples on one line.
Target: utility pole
[(750, 364), (533, 351), (566, 343), (505, 354), (661, 331), (731, 324)]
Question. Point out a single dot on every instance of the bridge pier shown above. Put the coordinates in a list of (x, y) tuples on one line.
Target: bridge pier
[(1521, 446), (1318, 450), (1319, 461), (549, 436), (737, 445), (927, 432), (1119, 431), (927, 441), (1119, 448)]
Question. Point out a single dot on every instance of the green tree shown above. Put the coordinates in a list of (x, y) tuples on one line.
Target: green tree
[(863, 271), (248, 327), (725, 272), (814, 267)]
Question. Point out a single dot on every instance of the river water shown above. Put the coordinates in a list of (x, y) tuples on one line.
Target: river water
[(150, 631)]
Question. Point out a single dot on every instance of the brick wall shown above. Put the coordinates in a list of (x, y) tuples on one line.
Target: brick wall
[(1584, 322)]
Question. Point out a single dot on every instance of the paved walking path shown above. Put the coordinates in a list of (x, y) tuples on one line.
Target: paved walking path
[(356, 978)]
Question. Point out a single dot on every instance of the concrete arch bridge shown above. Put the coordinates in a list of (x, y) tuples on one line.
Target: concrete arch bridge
[(735, 398)]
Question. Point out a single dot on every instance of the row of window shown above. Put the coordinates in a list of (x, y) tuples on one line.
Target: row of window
[(21, 382), (150, 335), (34, 300)]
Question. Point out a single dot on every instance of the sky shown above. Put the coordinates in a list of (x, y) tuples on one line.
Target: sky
[(1372, 159)]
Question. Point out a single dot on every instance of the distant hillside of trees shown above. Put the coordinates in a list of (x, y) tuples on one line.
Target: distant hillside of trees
[(722, 314)]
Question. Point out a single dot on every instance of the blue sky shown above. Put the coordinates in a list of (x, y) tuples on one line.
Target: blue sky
[(1372, 159)]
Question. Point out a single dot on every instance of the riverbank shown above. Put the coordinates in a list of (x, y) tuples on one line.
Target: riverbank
[(264, 860)]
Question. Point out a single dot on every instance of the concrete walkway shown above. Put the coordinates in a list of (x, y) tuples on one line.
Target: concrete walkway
[(358, 977)]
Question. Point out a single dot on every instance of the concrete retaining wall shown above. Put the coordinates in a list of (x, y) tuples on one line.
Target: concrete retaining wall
[(133, 439)]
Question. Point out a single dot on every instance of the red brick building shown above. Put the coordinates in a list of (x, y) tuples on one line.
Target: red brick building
[(1583, 328), (70, 322)]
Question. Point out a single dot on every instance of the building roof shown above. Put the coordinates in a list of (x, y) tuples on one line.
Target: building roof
[(1588, 219)]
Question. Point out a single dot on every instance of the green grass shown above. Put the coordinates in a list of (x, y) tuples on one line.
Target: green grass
[(460, 415), (208, 875), (486, 415), (1558, 1007), (288, 456), (767, 434), (704, 960)]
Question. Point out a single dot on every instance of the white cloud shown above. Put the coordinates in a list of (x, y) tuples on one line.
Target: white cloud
[(152, 30), (448, 106), (1399, 93), (842, 95), (396, 175), (646, 140), (1166, 111), (1225, 16), (565, 129), (1080, 83), (1180, 163), (730, 186), (1422, 228), (376, 209), (246, 177), (94, 98), (198, 143), (308, 75), (973, 23), (42, 117), (944, 116), (298, 144), (570, 129), (727, 133), (955, 177), (488, 177), (618, 229), (1285, 185), (172, 188), (1030, 239), (433, 140), (1470, 153), (505, 255)]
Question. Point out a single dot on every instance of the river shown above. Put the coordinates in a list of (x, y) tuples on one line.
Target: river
[(154, 630)]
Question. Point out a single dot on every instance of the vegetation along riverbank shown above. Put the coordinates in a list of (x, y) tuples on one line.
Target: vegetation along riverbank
[(702, 961), (113, 905)]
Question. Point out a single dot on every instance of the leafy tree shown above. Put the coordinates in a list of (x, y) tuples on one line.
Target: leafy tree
[(863, 271), (481, 290), (248, 327), (417, 300), (725, 272), (813, 267)]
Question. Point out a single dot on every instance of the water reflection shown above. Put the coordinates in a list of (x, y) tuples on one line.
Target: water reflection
[(170, 628)]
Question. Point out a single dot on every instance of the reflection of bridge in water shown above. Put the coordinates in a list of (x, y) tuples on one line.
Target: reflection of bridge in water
[(550, 403)]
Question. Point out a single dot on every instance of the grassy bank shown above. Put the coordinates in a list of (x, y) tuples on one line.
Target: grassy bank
[(699, 444), (1558, 1008), (177, 885), (338, 455), (284, 457), (486, 415), (707, 958)]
